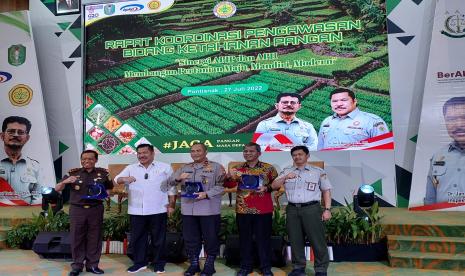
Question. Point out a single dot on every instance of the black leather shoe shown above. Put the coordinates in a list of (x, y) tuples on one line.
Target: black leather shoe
[(267, 272), (95, 270), (192, 270), (297, 272), (75, 272), (243, 272)]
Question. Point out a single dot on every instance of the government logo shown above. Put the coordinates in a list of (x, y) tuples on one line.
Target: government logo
[(154, 5), (16, 55), (5, 76), (20, 95), (454, 25), (109, 9), (132, 8), (224, 9)]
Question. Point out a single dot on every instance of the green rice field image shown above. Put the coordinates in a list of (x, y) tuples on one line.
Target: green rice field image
[(302, 46)]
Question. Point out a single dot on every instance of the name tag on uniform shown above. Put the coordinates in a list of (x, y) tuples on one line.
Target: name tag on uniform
[(311, 186)]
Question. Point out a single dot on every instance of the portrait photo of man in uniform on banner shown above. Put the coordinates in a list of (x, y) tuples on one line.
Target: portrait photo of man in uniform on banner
[(438, 181), (294, 131), (67, 6), (446, 176), (21, 178)]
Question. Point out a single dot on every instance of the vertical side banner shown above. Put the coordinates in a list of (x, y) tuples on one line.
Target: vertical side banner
[(25, 158), (439, 168)]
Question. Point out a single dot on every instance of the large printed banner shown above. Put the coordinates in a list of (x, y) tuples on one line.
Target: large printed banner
[(25, 158), (281, 73), (439, 169)]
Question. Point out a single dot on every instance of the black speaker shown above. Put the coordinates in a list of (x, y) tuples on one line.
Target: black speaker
[(174, 248), (232, 250), (278, 251), (53, 245)]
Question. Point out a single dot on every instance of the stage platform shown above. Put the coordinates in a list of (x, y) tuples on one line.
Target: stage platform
[(26, 262), (426, 240)]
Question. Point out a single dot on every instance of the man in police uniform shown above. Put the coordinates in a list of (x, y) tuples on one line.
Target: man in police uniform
[(285, 122), (201, 215), (446, 177), (22, 173), (86, 215), (348, 124), (304, 185)]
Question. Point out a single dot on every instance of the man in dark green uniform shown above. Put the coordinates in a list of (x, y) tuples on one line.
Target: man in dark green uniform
[(86, 215)]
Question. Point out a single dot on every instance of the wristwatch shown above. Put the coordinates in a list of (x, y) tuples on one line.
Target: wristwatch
[(328, 209)]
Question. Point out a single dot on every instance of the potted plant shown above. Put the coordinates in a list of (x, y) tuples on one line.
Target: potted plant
[(354, 237), (22, 236), (115, 228)]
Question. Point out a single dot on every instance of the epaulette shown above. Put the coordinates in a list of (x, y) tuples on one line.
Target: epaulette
[(101, 170), (74, 170), (33, 160), (372, 115), (316, 168)]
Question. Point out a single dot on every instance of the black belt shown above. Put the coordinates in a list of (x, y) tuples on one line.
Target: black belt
[(86, 206), (298, 205)]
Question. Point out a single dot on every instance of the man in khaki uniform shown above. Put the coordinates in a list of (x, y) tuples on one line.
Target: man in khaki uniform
[(304, 186)]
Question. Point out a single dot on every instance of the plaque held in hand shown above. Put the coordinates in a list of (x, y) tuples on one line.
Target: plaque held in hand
[(190, 188)]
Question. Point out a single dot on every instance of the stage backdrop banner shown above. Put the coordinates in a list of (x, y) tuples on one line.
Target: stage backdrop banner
[(439, 168), (175, 72), (26, 161)]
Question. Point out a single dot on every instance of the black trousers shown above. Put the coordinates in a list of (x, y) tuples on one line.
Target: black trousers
[(196, 229), (141, 228), (86, 235), (258, 227)]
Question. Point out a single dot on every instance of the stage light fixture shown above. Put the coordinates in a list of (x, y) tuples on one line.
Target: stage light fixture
[(52, 198), (366, 196)]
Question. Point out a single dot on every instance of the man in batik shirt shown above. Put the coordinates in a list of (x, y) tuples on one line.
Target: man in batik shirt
[(254, 208)]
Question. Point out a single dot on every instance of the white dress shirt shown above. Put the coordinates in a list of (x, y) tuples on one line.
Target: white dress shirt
[(145, 196)]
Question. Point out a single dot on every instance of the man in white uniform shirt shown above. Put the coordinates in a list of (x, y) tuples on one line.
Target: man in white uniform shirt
[(148, 206)]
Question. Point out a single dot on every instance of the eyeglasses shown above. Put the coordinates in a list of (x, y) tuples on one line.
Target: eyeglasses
[(17, 132), (146, 176), (288, 103)]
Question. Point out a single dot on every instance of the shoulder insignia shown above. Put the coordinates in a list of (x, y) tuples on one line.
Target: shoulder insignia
[(102, 171), (377, 124), (33, 160), (75, 170), (317, 168)]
